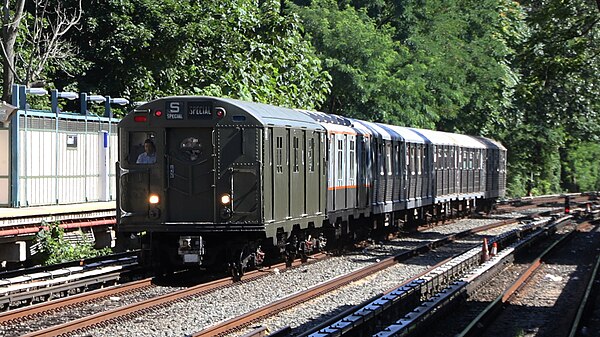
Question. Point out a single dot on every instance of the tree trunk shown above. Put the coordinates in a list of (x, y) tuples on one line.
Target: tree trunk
[(10, 28)]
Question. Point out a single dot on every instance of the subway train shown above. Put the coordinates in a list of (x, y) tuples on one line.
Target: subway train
[(208, 181)]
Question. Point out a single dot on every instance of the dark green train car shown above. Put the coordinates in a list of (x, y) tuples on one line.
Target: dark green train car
[(203, 179)]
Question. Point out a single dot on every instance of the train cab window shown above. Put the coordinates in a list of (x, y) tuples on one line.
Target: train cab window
[(142, 148), (381, 160), (412, 160), (419, 159)]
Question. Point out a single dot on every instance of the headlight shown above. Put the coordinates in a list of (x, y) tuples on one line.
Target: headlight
[(225, 199), (154, 199)]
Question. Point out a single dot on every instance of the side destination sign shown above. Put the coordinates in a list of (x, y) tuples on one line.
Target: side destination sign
[(174, 110)]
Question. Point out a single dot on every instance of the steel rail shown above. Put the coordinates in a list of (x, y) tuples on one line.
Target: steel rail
[(134, 309), (484, 319), (243, 321), (13, 316), (237, 323), (594, 277), (138, 308)]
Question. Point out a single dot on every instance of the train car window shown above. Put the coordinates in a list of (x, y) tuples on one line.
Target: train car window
[(398, 160), (352, 160), (296, 166), (340, 162), (471, 160), (381, 160), (142, 148), (331, 159), (420, 159), (279, 158), (412, 160), (388, 158), (311, 154)]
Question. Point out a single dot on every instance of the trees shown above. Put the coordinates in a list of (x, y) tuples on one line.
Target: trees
[(364, 62), (243, 49), (524, 72), (38, 35), (556, 105)]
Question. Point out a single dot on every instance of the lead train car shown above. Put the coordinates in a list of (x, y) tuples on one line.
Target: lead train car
[(231, 179)]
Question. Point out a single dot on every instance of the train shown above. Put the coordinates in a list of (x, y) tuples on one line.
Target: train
[(203, 181)]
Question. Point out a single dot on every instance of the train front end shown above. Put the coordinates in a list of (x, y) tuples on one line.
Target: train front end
[(189, 181)]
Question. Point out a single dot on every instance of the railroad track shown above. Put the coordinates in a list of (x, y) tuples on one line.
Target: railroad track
[(44, 284), (505, 312), (240, 323), (127, 311), (426, 296), (158, 305)]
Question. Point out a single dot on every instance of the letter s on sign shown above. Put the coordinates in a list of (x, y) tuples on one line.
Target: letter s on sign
[(174, 107)]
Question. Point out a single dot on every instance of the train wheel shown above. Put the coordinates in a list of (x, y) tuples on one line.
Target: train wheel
[(236, 271), (289, 259)]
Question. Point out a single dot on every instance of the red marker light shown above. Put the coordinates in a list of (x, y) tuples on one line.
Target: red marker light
[(157, 113), (140, 118), (220, 112)]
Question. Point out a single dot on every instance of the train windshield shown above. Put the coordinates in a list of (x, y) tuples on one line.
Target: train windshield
[(142, 148)]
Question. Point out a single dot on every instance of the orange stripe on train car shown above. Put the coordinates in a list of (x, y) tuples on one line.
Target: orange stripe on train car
[(344, 187)]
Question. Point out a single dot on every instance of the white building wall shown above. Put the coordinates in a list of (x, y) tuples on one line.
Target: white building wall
[(61, 167)]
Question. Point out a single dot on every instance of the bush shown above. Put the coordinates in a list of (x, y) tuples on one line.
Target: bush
[(57, 249)]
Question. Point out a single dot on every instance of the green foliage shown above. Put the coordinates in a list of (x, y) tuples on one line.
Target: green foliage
[(556, 102), (245, 49), (57, 249), (583, 168), (368, 68), (524, 73)]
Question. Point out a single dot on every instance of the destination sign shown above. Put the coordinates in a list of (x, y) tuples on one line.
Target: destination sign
[(199, 110)]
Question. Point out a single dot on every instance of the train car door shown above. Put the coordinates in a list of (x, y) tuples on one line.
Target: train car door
[(281, 182), (190, 174), (312, 188), (297, 173), (364, 171)]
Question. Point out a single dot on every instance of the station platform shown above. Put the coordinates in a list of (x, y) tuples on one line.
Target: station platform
[(51, 210)]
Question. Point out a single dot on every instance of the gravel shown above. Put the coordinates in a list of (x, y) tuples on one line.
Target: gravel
[(192, 315)]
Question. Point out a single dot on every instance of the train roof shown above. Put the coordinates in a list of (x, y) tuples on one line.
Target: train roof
[(262, 113), (327, 118), (408, 134), (273, 115), (453, 139), (491, 143), (371, 128)]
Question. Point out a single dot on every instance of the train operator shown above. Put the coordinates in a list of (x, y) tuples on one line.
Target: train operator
[(149, 154)]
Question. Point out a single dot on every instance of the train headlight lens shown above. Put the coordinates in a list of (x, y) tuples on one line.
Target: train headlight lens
[(154, 199), (225, 199)]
